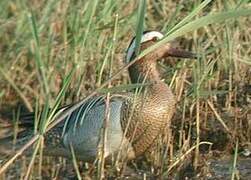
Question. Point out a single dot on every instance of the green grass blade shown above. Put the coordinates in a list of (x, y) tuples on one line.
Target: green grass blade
[(190, 16), (58, 100), (93, 7), (44, 117), (140, 25), (39, 63), (61, 94), (127, 87), (196, 24)]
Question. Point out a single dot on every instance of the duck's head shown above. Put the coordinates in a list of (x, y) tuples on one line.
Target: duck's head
[(148, 62)]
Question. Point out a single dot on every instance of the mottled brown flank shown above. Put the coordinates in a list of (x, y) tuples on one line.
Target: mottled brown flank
[(146, 115), (151, 114)]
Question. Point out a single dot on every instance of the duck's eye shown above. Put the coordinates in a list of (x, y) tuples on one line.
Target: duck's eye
[(155, 38)]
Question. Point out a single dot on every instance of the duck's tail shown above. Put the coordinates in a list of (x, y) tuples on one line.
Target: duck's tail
[(6, 146), (10, 137), (10, 145)]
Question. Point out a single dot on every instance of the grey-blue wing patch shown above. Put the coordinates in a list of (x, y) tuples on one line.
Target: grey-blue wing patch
[(83, 126)]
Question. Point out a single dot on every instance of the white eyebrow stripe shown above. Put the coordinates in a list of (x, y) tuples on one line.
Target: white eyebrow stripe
[(146, 37)]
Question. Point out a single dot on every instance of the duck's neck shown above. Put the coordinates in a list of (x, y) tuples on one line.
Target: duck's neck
[(144, 73)]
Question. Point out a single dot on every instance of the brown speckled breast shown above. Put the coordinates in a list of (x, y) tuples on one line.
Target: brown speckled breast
[(145, 116)]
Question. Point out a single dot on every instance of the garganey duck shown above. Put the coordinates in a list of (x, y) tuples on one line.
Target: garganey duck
[(140, 117)]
